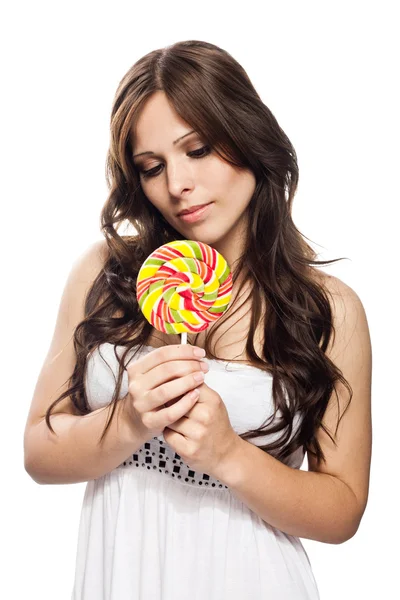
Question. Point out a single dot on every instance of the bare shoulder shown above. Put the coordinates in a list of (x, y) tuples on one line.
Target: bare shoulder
[(87, 267), (348, 311), (92, 260), (97, 253), (351, 341), (335, 286)]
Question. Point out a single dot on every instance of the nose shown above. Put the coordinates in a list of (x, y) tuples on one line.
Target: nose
[(179, 178)]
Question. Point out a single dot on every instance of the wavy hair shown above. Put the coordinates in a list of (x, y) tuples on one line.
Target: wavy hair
[(211, 91)]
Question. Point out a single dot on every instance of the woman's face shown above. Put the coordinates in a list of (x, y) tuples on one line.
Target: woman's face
[(180, 180)]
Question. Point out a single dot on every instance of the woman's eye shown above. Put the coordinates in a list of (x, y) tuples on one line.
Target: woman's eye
[(203, 151), (200, 152), (150, 172)]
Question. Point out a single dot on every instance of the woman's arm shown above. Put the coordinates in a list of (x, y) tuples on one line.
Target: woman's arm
[(326, 503), (73, 455)]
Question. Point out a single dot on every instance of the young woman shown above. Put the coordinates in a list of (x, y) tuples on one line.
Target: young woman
[(193, 464)]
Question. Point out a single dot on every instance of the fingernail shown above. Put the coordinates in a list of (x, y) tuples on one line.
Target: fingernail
[(199, 351), (198, 376)]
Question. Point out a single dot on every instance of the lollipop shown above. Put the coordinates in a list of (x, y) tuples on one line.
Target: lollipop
[(184, 286)]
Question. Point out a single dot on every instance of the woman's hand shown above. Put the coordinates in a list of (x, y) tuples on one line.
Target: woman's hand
[(204, 437), (163, 375)]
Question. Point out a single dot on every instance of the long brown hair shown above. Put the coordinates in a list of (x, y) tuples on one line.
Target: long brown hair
[(211, 91)]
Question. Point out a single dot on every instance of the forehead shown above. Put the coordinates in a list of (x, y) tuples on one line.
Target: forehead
[(157, 123)]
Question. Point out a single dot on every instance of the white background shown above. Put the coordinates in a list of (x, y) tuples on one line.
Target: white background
[(328, 72)]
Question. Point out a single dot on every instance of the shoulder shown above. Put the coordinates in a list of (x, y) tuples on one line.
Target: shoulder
[(98, 252), (343, 297), (93, 258), (86, 268), (348, 315)]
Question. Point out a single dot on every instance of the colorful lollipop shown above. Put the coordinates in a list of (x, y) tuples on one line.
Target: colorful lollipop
[(183, 286)]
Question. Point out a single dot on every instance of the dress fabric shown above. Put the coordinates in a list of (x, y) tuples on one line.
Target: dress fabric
[(153, 529)]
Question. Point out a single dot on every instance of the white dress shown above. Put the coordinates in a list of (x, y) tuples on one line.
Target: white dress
[(153, 529)]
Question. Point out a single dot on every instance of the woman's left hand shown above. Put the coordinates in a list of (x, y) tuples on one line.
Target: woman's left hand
[(204, 437)]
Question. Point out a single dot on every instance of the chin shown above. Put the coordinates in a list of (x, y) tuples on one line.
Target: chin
[(210, 240), (207, 233), (206, 238)]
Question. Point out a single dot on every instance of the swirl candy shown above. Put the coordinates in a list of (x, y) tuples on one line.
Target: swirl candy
[(183, 286)]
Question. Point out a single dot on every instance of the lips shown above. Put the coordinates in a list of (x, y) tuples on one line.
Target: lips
[(196, 215), (187, 211)]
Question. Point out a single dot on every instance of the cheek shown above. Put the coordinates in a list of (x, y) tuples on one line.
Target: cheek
[(244, 183), (153, 194), (219, 177), (232, 185)]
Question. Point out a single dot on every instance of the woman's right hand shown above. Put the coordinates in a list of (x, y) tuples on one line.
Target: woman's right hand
[(163, 375)]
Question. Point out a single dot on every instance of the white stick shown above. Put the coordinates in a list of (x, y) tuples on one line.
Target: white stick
[(184, 337)]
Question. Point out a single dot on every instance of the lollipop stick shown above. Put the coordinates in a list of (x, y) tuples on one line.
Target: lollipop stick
[(184, 337)]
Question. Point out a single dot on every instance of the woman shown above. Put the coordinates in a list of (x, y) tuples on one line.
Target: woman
[(194, 485)]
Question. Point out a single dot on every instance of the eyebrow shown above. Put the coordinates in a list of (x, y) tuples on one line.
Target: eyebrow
[(175, 142)]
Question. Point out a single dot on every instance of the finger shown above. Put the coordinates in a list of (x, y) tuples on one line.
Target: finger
[(169, 371), (172, 389), (162, 355), (174, 412)]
